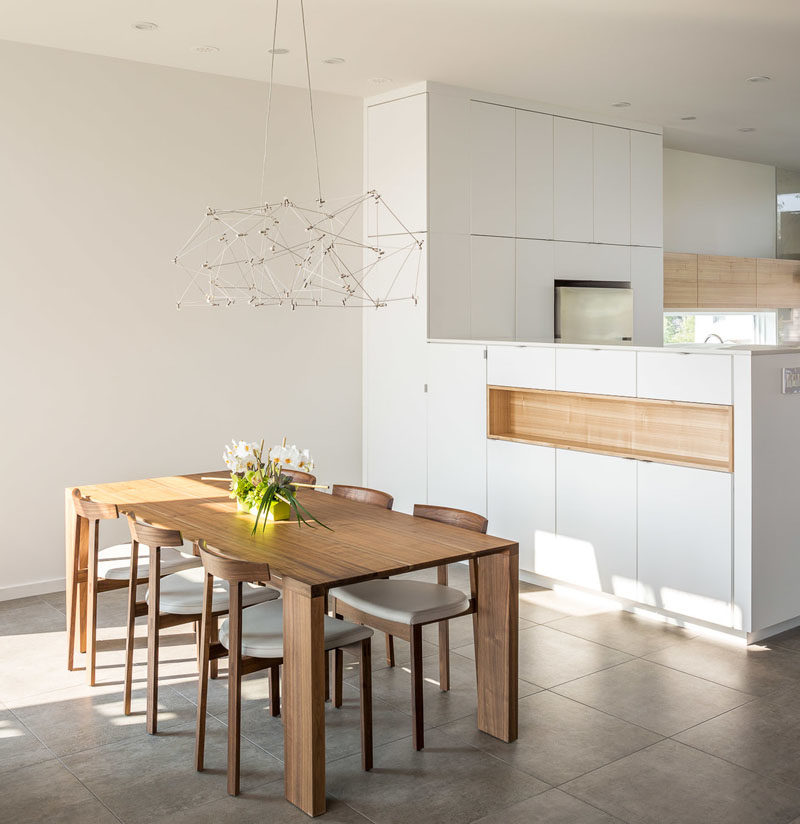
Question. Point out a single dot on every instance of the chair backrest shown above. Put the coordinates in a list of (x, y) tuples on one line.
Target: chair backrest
[(152, 536), (228, 569), (93, 510), (363, 495), (300, 477), (456, 517)]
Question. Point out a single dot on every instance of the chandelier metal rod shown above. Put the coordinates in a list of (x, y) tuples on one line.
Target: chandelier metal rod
[(269, 103), (311, 101)]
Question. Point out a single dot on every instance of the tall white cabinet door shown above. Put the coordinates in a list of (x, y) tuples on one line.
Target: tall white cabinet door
[(535, 280), (522, 488), (684, 531), (647, 171), (448, 286), (534, 174), (457, 426), (492, 288), (647, 280), (612, 185), (595, 524), (573, 184), (492, 176)]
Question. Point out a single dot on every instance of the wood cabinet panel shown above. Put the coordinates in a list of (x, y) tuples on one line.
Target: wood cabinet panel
[(777, 283), (680, 280), (726, 282)]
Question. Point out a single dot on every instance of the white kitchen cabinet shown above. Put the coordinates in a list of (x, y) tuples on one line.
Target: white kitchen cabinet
[(680, 376), (492, 288), (448, 286), (534, 174), (535, 276), (592, 261), (521, 496), (457, 426), (684, 541), (529, 367), (647, 281), (647, 171), (492, 174), (573, 200), (596, 371), (595, 524), (448, 164), (612, 185)]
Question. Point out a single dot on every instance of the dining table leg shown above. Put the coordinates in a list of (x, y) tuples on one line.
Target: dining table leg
[(77, 554), (303, 698), (497, 641)]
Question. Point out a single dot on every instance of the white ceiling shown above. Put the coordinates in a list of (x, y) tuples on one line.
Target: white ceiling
[(669, 58)]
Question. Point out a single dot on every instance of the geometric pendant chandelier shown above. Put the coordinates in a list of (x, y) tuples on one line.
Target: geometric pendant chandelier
[(284, 253)]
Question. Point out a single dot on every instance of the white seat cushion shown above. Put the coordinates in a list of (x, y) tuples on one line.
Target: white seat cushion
[(182, 593), (262, 631), (405, 601), (114, 562)]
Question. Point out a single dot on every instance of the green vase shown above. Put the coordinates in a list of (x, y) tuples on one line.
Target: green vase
[(278, 510)]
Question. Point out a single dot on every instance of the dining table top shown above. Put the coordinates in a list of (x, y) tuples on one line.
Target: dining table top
[(361, 542)]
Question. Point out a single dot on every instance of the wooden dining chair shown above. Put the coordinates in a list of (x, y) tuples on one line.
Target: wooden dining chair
[(171, 600), (252, 638), (300, 477), (402, 607), (106, 569)]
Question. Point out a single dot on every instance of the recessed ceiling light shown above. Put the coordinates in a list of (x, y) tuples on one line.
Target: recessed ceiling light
[(689, 117), (380, 81), (279, 51), (746, 129), (333, 61), (206, 49), (759, 78), (623, 104), (145, 25)]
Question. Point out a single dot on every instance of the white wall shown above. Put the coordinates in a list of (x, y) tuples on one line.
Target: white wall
[(716, 206), (106, 167)]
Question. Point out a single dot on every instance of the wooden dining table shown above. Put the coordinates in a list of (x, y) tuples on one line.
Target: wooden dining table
[(362, 542)]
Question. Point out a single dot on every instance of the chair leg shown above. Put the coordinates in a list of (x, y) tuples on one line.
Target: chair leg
[(72, 593), (338, 677), (365, 678), (234, 685), (275, 691), (417, 721), (327, 676), (154, 599), (213, 640), (91, 618), (131, 629), (390, 650), (444, 638), (206, 629)]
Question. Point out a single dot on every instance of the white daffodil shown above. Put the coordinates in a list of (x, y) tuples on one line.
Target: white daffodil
[(290, 457)]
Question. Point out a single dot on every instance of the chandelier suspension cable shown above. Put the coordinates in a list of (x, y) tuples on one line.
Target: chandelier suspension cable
[(269, 104), (311, 101)]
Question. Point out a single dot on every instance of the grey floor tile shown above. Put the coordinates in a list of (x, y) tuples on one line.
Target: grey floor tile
[(460, 631), (19, 747), (559, 739), (757, 669), (149, 775), (551, 807), (263, 805), (670, 783), (49, 792), (24, 616), (655, 697), (548, 657), (623, 631), (544, 605), (763, 736), (446, 782)]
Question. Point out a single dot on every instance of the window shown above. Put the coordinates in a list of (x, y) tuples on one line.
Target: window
[(716, 327)]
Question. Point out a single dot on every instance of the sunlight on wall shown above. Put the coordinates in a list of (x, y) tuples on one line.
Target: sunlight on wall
[(567, 559)]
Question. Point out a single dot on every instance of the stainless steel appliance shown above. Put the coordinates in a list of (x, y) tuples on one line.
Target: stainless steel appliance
[(593, 311)]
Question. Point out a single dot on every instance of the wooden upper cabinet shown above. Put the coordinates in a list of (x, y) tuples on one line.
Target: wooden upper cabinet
[(726, 282), (680, 280), (778, 283)]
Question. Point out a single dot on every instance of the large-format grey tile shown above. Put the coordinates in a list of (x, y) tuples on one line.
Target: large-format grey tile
[(394, 687), (460, 631), (623, 631), (757, 669), (446, 782), (551, 807), (548, 657), (655, 697), (150, 775), (19, 747), (23, 616), (559, 739), (80, 718), (670, 783), (263, 805), (544, 605), (49, 792), (763, 736)]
